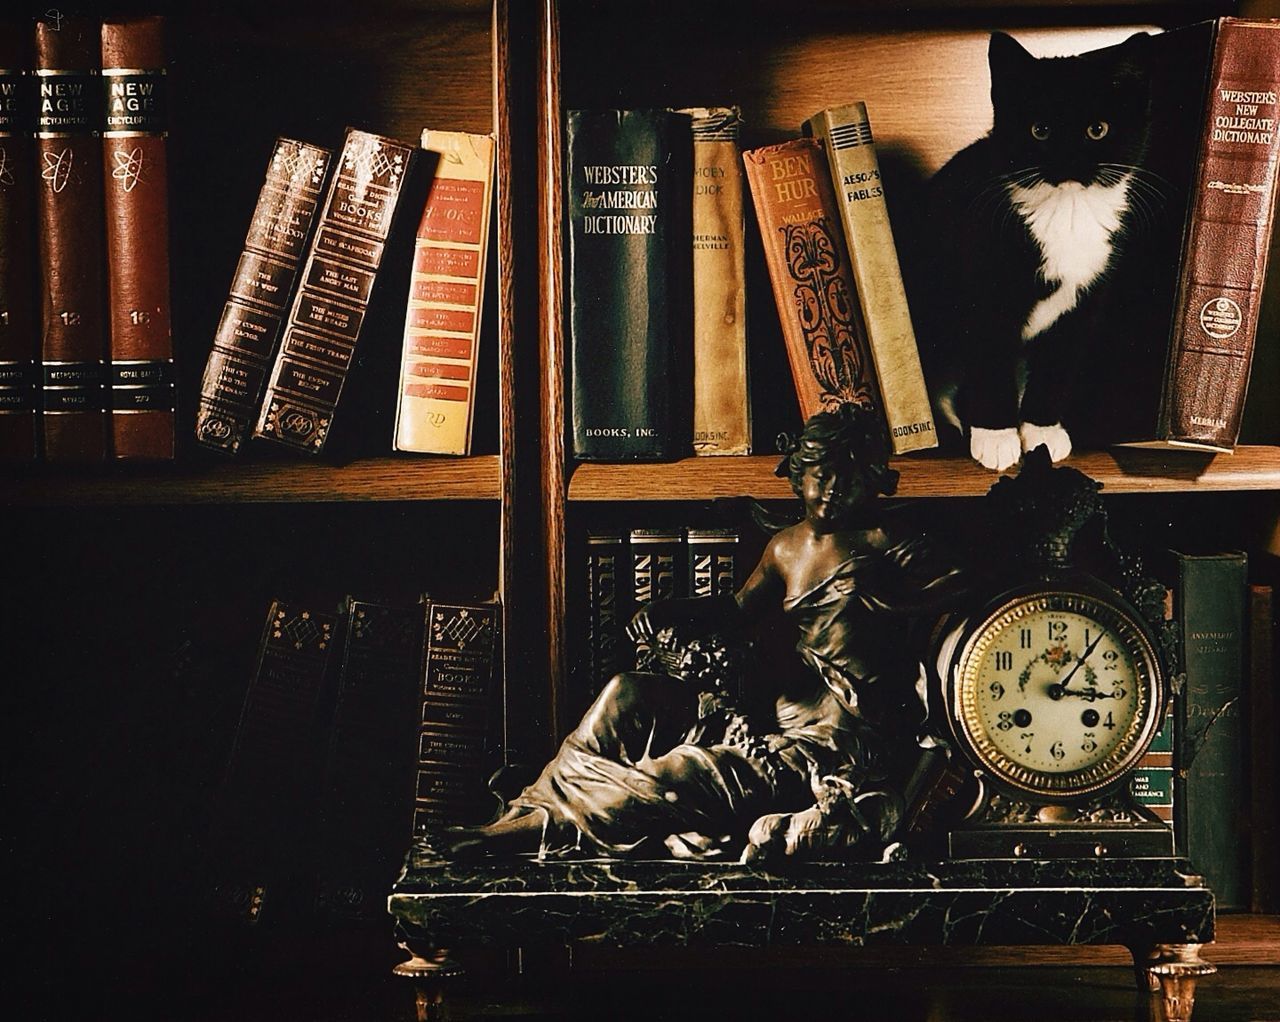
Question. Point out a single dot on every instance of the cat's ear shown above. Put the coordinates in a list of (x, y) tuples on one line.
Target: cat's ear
[(1131, 59), (1006, 56)]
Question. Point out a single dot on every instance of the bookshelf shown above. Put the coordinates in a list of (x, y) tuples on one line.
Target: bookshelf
[(1120, 471), (370, 479), (117, 565), (909, 67)]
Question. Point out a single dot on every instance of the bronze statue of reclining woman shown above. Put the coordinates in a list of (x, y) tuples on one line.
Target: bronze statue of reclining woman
[(661, 758)]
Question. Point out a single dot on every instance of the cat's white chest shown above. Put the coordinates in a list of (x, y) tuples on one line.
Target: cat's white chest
[(1074, 226)]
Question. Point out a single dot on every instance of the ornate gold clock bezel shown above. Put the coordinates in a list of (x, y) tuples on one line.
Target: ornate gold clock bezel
[(1042, 785)]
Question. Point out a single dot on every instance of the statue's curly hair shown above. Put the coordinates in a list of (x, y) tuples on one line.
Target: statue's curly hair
[(852, 432)]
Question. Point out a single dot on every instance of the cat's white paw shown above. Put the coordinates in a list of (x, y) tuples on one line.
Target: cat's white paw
[(1054, 437), (996, 449)]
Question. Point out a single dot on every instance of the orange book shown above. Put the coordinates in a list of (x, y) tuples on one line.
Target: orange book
[(812, 282)]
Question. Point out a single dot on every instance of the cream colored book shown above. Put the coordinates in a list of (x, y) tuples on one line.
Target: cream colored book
[(845, 133), (721, 405), (446, 296)]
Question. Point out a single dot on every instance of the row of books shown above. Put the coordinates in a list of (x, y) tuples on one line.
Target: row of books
[(359, 729), (656, 309), (626, 569), (87, 368), (86, 351), (319, 235), (1219, 762)]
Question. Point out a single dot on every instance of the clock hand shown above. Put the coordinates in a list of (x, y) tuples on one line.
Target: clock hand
[(1087, 694), (1079, 663), (1059, 688)]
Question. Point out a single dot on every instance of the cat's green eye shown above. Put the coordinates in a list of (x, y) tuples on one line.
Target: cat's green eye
[(1097, 130), (1039, 131)]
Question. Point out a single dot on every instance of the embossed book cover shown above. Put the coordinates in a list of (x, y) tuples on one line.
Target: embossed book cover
[(247, 336), (334, 291), (812, 282), (143, 393), (70, 212)]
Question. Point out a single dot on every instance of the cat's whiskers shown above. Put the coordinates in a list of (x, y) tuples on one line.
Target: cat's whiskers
[(993, 196)]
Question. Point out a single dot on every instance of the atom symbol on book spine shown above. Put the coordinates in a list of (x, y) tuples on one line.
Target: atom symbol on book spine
[(128, 169), (57, 169)]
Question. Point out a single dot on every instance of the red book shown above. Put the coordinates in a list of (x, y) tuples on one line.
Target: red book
[(137, 214), (19, 335), (811, 276), (73, 283), (1227, 241)]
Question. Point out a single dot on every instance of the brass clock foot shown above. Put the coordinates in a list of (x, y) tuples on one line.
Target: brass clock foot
[(1169, 973), (430, 969)]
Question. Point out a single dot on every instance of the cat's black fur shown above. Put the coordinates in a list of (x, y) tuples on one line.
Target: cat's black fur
[(986, 272)]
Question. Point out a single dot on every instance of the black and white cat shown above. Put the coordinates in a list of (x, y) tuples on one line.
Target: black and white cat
[(1028, 230)]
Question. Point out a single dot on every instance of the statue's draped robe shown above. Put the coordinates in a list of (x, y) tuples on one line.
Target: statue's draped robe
[(639, 766)]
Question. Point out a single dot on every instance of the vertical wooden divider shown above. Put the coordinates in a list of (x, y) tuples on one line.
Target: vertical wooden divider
[(554, 458), (523, 558)]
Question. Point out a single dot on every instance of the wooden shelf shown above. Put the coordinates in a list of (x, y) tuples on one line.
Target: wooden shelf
[(1119, 470), (374, 479)]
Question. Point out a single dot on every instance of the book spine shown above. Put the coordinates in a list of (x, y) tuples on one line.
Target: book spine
[(70, 211), (367, 789), (248, 332), (1227, 242), (1151, 782), (135, 172), (607, 604), (1210, 781), (459, 651), (656, 565), (809, 270), (630, 283), (328, 311), (19, 333), (721, 404), (711, 561), (845, 133), (446, 298), (1264, 816), (260, 810)]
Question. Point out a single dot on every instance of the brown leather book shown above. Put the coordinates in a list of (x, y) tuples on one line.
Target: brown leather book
[(73, 281), (1227, 241), (135, 172), (367, 777), (809, 269), (455, 732), (264, 801), (337, 282), (246, 340), (19, 335)]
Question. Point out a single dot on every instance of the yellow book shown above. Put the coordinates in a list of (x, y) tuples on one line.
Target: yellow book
[(446, 295), (721, 405), (845, 133)]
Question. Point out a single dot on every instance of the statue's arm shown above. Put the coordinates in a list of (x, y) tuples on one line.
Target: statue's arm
[(712, 613)]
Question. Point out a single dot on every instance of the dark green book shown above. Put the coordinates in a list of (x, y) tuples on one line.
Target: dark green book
[(629, 232), (1211, 797)]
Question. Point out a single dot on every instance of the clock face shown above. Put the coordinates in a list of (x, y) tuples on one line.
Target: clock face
[(1057, 694)]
